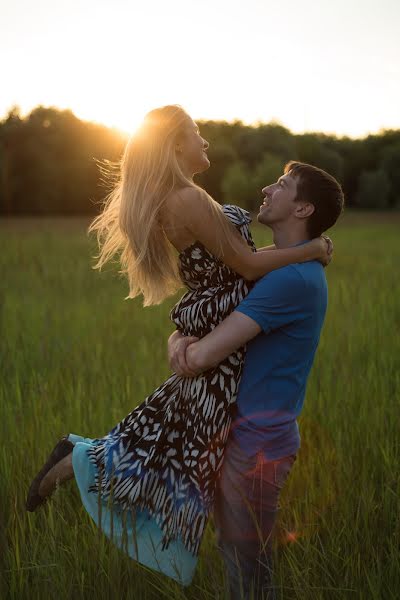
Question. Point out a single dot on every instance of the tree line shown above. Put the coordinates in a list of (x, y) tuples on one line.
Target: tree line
[(51, 162)]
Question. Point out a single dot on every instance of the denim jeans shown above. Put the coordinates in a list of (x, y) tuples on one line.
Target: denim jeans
[(245, 511)]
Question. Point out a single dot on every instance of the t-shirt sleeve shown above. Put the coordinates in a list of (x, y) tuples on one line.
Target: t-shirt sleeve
[(276, 299)]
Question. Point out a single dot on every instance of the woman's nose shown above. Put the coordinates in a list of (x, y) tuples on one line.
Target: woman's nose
[(205, 144)]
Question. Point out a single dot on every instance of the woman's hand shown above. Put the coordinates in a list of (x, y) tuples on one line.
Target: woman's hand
[(329, 242), (323, 249)]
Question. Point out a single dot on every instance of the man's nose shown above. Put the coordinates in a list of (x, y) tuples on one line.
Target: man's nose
[(266, 190)]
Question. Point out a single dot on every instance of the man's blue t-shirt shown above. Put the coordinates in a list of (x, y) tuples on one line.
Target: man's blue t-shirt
[(289, 304)]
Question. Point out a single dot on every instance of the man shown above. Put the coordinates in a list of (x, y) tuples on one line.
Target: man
[(280, 321)]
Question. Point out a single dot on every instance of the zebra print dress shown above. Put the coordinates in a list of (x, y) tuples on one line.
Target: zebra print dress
[(165, 456)]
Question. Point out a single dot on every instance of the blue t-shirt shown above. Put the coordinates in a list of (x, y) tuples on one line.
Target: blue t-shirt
[(289, 304)]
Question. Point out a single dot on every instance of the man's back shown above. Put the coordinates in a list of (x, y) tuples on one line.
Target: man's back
[(289, 304)]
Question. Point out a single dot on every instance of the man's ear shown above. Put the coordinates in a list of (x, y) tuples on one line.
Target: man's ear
[(304, 210)]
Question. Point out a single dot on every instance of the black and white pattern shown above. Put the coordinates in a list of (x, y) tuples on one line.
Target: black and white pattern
[(165, 456)]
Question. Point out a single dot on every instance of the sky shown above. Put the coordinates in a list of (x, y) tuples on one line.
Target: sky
[(312, 66)]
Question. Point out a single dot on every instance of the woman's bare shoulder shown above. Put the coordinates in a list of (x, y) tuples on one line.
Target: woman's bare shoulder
[(186, 196), (178, 211), (187, 203)]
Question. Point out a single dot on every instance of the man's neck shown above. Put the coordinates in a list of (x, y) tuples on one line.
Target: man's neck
[(284, 237)]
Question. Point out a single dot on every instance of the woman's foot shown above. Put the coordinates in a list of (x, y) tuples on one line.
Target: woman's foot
[(61, 472), (61, 451)]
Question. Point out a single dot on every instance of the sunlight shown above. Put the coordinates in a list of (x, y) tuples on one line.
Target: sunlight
[(124, 62), (126, 121)]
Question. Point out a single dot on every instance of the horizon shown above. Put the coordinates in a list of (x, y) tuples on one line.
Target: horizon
[(254, 124)]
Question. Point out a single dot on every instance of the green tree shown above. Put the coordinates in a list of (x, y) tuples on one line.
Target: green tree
[(238, 186), (9, 131), (315, 149), (268, 170), (221, 156), (251, 143), (391, 165), (373, 189), (49, 161)]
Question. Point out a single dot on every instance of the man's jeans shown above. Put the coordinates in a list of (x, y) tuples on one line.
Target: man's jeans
[(245, 512)]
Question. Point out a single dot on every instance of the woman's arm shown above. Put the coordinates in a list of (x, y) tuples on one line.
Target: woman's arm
[(255, 265), (194, 214), (323, 260), (265, 248)]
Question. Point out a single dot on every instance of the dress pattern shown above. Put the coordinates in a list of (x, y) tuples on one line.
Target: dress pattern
[(165, 456)]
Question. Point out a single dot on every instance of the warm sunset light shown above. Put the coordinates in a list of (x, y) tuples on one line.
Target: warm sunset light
[(200, 378), (112, 62)]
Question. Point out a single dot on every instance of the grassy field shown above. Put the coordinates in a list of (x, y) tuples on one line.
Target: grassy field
[(76, 357)]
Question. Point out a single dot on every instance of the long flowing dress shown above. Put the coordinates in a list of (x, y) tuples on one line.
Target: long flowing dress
[(150, 483)]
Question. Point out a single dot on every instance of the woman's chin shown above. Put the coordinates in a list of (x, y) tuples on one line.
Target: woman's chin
[(203, 166)]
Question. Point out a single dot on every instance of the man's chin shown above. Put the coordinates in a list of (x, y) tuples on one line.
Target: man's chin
[(263, 219)]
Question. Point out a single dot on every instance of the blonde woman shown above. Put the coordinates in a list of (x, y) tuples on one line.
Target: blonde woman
[(150, 482)]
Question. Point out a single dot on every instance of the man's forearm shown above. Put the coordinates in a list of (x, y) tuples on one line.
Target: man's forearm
[(200, 358), (233, 333)]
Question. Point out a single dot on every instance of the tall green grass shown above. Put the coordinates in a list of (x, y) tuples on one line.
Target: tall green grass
[(76, 357)]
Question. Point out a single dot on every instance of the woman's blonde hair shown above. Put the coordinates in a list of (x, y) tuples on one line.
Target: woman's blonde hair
[(129, 224)]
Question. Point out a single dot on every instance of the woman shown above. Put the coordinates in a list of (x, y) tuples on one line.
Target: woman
[(150, 482)]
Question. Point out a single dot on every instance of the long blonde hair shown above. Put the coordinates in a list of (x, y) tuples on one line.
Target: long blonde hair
[(129, 223)]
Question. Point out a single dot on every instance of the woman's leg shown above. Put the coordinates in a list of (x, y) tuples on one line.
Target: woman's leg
[(60, 451), (62, 471)]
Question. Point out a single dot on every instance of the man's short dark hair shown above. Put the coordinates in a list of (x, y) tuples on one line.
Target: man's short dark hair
[(320, 189)]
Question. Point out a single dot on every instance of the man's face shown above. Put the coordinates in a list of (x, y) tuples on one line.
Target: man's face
[(279, 201)]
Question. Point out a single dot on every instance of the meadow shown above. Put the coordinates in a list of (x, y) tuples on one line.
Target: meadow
[(76, 357)]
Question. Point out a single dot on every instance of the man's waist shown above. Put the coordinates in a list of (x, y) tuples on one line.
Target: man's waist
[(275, 440), (266, 420)]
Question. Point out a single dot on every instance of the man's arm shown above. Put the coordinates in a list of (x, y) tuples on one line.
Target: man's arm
[(189, 359), (271, 304)]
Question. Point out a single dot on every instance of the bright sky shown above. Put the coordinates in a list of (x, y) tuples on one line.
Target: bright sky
[(312, 65)]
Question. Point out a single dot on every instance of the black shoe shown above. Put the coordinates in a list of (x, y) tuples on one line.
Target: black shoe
[(60, 451)]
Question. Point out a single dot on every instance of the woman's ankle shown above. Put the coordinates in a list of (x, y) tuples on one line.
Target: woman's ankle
[(61, 472)]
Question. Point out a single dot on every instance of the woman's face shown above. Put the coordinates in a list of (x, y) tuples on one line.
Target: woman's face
[(191, 149)]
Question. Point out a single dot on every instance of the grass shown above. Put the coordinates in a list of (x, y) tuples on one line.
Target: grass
[(76, 357)]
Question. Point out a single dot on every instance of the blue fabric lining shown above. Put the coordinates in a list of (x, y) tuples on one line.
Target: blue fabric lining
[(141, 540)]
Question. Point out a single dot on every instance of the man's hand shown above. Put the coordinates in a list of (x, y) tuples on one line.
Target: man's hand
[(177, 344)]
